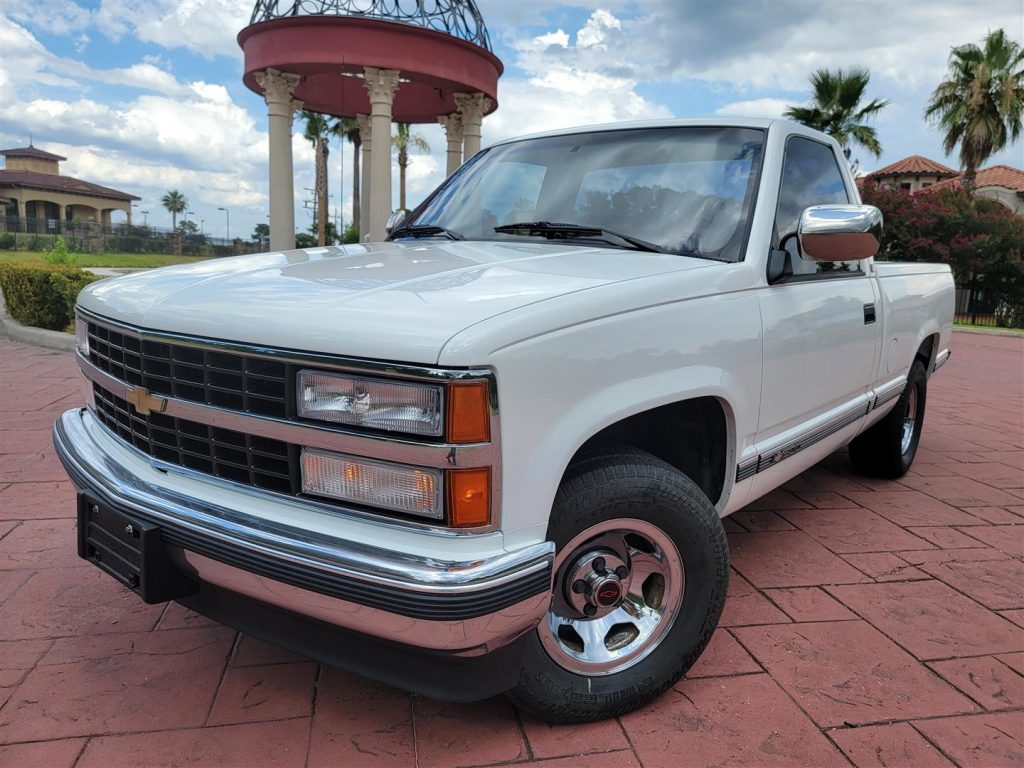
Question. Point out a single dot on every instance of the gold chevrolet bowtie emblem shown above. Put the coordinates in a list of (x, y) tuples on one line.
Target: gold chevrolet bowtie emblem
[(144, 402)]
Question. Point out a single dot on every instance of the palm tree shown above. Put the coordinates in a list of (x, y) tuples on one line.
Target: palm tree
[(836, 109), (176, 203), (318, 132), (403, 141), (349, 131), (980, 103)]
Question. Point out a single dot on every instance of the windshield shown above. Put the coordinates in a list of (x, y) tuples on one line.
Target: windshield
[(685, 190)]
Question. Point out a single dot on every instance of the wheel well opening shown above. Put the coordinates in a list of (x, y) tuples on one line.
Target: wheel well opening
[(926, 352), (690, 435)]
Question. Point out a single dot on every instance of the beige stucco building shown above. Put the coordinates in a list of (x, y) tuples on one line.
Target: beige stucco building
[(35, 197)]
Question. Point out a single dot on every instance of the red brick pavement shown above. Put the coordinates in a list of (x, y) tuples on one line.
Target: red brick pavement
[(869, 623)]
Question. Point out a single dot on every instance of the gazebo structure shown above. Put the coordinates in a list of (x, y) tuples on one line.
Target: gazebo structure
[(408, 61)]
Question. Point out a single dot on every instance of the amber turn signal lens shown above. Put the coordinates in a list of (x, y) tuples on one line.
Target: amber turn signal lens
[(469, 497), (469, 418)]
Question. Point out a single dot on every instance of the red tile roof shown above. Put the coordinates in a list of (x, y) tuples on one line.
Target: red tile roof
[(911, 165), (30, 152), (995, 176), (53, 183)]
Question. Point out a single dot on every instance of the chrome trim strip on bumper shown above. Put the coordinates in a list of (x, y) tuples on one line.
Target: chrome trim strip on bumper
[(462, 637), (92, 468), (940, 359)]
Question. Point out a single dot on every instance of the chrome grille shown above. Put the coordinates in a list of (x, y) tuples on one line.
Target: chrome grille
[(239, 382), (248, 459)]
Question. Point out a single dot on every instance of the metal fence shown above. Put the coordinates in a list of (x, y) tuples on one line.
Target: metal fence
[(981, 304), (30, 234)]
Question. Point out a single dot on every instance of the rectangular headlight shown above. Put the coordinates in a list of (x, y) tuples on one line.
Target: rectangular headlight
[(399, 488), (375, 403)]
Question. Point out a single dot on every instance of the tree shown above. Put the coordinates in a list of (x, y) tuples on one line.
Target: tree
[(403, 141), (188, 227), (311, 237), (261, 232), (979, 105), (319, 129), (349, 130), (835, 109), (176, 203), (980, 238)]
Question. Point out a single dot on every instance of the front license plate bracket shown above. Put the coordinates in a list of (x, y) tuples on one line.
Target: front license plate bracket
[(131, 550)]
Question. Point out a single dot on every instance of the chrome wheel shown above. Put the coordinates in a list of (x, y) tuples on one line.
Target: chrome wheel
[(909, 420), (618, 587)]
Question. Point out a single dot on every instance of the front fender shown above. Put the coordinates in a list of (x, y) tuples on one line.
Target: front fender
[(556, 390)]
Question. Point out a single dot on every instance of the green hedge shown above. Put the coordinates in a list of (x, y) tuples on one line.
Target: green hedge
[(43, 295)]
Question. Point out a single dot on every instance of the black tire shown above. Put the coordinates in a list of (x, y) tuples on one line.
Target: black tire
[(611, 483), (880, 451)]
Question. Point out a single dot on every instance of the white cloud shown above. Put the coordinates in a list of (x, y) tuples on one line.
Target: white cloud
[(206, 28), (766, 107), (58, 17), (563, 88), (595, 31)]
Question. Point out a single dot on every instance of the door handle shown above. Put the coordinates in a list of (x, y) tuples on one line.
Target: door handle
[(869, 314)]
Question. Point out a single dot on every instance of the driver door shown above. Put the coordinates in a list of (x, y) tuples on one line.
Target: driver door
[(819, 332)]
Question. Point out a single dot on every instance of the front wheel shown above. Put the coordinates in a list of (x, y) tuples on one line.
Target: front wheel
[(888, 448), (640, 581)]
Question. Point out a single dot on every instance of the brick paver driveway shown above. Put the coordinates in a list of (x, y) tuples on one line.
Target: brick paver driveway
[(871, 622)]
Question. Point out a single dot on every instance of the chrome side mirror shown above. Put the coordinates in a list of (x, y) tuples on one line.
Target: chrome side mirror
[(396, 218), (840, 232)]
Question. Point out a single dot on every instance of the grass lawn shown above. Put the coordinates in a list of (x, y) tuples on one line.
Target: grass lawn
[(101, 259)]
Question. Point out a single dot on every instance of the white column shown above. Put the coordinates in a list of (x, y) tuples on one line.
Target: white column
[(472, 107), (366, 139), (381, 85), (277, 91), (453, 133)]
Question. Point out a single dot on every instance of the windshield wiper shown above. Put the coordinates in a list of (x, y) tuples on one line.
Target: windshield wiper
[(426, 230), (554, 229)]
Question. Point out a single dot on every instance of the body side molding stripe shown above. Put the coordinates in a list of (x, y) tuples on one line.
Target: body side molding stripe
[(772, 456)]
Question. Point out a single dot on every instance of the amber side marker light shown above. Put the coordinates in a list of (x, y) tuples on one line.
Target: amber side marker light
[(469, 417), (469, 497)]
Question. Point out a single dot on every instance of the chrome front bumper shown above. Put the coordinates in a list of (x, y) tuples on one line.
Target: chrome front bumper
[(464, 608)]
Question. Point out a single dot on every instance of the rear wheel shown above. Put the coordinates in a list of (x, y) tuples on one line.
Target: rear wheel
[(888, 448), (640, 580)]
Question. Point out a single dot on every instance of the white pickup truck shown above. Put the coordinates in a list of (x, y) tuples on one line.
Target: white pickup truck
[(493, 453)]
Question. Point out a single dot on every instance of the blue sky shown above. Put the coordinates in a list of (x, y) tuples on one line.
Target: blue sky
[(147, 96)]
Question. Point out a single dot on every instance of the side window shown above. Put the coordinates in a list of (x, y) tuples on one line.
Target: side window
[(810, 176)]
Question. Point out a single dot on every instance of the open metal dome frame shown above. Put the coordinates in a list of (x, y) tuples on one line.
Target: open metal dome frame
[(458, 18)]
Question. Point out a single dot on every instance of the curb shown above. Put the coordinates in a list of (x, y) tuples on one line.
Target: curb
[(40, 337), (1011, 332)]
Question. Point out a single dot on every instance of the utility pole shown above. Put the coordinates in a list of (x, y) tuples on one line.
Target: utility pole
[(227, 226)]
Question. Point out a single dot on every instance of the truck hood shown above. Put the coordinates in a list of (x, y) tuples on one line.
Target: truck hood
[(386, 301)]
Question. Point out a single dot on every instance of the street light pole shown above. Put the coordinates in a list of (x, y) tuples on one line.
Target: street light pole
[(145, 218), (227, 216)]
